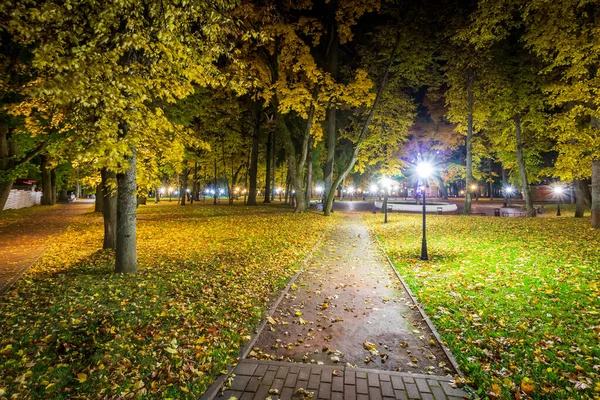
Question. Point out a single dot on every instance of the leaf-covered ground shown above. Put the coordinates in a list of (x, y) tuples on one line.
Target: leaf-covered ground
[(72, 329), (516, 299)]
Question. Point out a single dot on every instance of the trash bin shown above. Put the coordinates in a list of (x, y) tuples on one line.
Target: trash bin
[(496, 212), (439, 210)]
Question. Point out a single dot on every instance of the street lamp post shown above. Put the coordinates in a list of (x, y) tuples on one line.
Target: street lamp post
[(558, 191), (385, 183), (508, 190), (424, 171)]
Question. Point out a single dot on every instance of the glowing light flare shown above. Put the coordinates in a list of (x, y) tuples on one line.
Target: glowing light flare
[(424, 170)]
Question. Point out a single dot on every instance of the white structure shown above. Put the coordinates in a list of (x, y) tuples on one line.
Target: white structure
[(22, 198), (417, 208)]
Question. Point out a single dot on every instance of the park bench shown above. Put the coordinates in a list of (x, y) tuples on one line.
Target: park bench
[(514, 214), (480, 214)]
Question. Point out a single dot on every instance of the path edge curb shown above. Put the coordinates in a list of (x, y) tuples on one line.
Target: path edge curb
[(213, 390), (437, 336)]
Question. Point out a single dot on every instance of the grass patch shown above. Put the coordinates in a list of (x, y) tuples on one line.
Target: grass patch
[(70, 328), (516, 299)]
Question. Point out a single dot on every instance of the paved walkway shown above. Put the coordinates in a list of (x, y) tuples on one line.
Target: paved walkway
[(346, 329), (24, 240)]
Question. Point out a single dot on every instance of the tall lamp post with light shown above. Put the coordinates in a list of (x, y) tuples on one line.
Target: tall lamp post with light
[(424, 171), (558, 192)]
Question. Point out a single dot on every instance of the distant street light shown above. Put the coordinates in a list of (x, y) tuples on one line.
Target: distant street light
[(424, 170), (558, 192)]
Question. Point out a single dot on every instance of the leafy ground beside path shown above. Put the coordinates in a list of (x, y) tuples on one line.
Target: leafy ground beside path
[(70, 328), (516, 299)]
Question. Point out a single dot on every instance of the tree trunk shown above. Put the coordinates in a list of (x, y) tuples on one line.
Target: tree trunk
[(109, 209), (254, 159), (522, 170), (216, 194), (332, 67), (184, 182), (342, 189), (47, 198), (345, 171), (126, 257), (98, 205), (157, 195), (309, 172), (7, 182), (63, 197), (53, 185), (286, 199), (268, 190), (469, 159), (194, 183), (142, 200), (595, 223), (491, 178), (579, 200), (443, 189), (504, 185)]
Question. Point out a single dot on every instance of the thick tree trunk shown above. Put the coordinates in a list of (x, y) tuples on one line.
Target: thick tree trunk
[(309, 172), (98, 205), (109, 209), (254, 161), (469, 157), (504, 185), (443, 188), (47, 198), (53, 185), (491, 179), (216, 194), (595, 223), (63, 197), (6, 184), (184, 183), (579, 200), (522, 170), (268, 189), (126, 257), (333, 68), (142, 200), (194, 183)]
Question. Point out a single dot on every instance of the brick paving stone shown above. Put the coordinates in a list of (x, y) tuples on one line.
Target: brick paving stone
[(413, 391), (253, 384), (301, 384), (373, 379), (277, 384), (287, 394), (337, 396), (426, 396), (290, 380), (240, 383), (260, 370), (361, 374), (349, 392), (408, 379), (313, 382), (304, 374), (337, 384), (374, 393), (282, 372), (438, 393), (324, 390), (386, 389), (397, 382), (245, 368), (294, 370), (262, 392), (273, 368), (349, 378), (433, 382), (362, 397), (463, 397), (400, 395), (422, 384), (361, 386), (268, 377), (384, 377), (247, 396), (326, 375), (450, 391), (232, 393)]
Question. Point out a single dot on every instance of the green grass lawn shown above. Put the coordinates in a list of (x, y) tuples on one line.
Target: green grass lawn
[(72, 329), (517, 300)]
